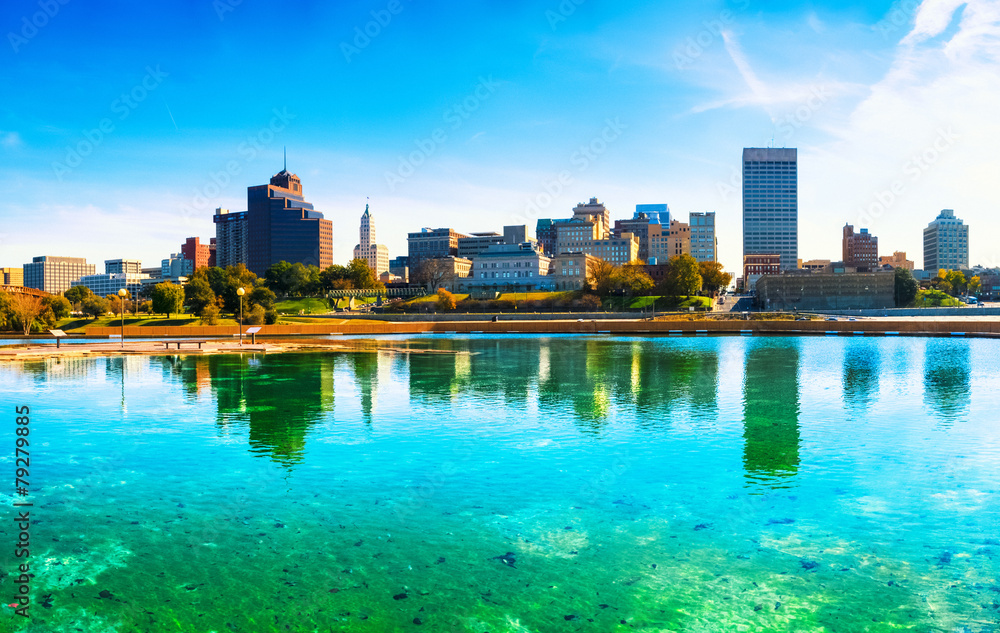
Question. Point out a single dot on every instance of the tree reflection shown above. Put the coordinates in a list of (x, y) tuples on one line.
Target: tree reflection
[(771, 412), (947, 383)]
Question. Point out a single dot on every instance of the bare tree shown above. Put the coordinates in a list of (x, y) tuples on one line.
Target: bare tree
[(25, 308), (434, 272)]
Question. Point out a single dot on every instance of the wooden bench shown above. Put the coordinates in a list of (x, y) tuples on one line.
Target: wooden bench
[(179, 343)]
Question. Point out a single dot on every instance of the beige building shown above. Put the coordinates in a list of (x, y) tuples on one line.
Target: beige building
[(896, 260), (11, 276), (571, 271), (669, 241), (816, 265), (509, 266)]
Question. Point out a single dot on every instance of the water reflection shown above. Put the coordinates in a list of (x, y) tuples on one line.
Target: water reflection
[(771, 412), (862, 366), (947, 382)]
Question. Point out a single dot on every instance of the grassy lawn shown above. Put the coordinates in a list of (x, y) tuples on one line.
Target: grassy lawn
[(662, 303), (77, 325), (309, 305), (936, 299)]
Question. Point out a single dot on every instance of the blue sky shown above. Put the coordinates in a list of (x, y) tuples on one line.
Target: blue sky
[(475, 116)]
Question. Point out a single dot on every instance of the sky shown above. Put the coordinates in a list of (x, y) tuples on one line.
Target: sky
[(124, 125)]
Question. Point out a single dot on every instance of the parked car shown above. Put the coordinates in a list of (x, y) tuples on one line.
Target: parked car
[(831, 319)]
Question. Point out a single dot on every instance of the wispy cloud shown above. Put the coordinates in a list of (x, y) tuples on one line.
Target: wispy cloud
[(10, 140)]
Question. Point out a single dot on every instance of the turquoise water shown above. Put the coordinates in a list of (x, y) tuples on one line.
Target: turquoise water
[(516, 484)]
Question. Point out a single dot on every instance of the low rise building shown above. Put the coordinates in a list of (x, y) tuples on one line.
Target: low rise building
[(400, 267), (432, 243), (756, 266), (826, 291), (860, 250), (12, 276), (571, 271), (896, 260), (509, 267)]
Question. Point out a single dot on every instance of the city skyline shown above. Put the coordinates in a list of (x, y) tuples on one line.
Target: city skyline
[(504, 128)]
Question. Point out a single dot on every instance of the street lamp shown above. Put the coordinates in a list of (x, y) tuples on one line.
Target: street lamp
[(121, 299), (241, 292)]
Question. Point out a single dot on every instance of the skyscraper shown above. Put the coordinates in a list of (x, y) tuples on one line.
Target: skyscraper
[(230, 237), (946, 243), (771, 204), (377, 255), (282, 226)]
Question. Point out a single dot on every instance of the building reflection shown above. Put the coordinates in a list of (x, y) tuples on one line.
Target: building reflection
[(947, 379), (862, 368), (672, 375), (279, 397), (771, 412), (364, 366)]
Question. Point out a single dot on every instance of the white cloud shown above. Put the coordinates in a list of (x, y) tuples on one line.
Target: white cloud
[(10, 140)]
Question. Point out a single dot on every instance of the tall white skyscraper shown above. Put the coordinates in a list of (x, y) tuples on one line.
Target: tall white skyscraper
[(377, 255), (946, 243), (771, 204)]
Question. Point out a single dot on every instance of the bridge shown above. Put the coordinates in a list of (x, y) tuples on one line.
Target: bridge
[(22, 290), (389, 292)]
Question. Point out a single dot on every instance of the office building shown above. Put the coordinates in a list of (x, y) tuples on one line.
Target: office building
[(201, 255), (946, 243), (282, 226), (639, 226), (667, 241), (770, 204), (896, 260), (377, 255), (704, 245), (430, 244), (118, 274), (400, 267), (827, 291), (596, 213), (12, 276), (571, 271), (230, 237), (580, 235), (545, 232), (657, 213), (55, 274), (476, 243), (860, 250)]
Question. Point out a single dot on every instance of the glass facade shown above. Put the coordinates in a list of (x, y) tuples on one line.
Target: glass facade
[(770, 204)]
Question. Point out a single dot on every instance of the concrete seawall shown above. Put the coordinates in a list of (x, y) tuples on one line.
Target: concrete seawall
[(880, 327)]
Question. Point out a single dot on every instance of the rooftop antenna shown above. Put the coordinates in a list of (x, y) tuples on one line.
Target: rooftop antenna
[(284, 149)]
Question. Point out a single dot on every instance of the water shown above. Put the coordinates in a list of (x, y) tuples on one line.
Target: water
[(517, 484)]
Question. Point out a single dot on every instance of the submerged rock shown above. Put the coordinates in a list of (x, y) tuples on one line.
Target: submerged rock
[(507, 559), (105, 594)]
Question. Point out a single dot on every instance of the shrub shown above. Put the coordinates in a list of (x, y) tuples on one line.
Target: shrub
[(209, 314)]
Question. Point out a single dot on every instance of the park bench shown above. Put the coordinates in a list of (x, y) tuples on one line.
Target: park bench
[(179, 343)]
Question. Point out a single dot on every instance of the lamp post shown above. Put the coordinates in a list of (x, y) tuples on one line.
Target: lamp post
[(121, 299), (241, 292)]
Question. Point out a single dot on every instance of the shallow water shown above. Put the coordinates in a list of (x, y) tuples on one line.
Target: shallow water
[(521, 483)]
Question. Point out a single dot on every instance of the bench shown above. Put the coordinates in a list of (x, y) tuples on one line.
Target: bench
[(179, 343)]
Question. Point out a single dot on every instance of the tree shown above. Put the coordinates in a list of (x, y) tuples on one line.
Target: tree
[(445, 300), (633, 279), (957, 280), (334, 277), (167, 298), (77, 294), (261, 296), (713, 278), (5, 311), (198, 294), (601, 276), (209, 314), (235, 277), (116, 304), (945, 287), (433, 272), (95, 306), (363, 276), (276, 278), (255, 316), (25, 308), (683, 278), (906, 287), (59, 305), (975, 285)]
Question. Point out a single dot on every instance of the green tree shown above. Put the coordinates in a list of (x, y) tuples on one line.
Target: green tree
[(59, 306), (255, 316), (6, 317), (261, 296), (683, 277), (945, 287), (167, 298), (95, 306), (236, 277), (198, 294), (77, 294), (276, 278), (713, 278), (445, 300), (363, 276), (906, 287), (633, 279), (334, 277)]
